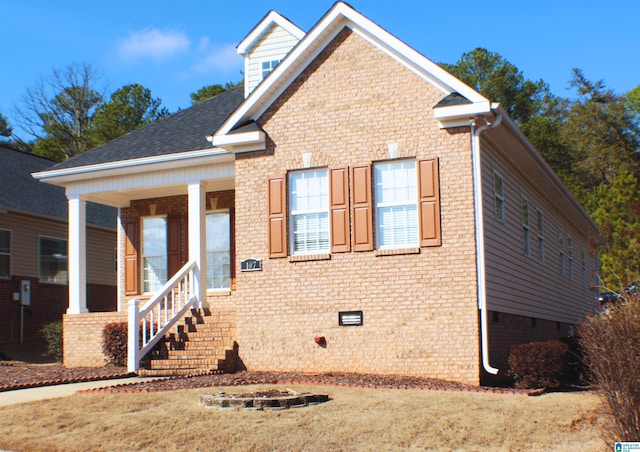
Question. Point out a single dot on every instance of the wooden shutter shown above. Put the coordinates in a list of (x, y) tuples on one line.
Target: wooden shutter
[(361, 208), (429, 202), (174, 232), (277, 217), (131, 231), (339, 208)]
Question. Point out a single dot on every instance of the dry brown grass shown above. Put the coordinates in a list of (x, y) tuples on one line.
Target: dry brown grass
[(355, 419)]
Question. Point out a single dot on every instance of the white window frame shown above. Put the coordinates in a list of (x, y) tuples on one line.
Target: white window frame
[(396, 208), (498, 209), (321, 214), (47, 279), (8, 254), (570, 250), (562, 255), (272, 65), (145, 288), (210, 267), (526, 242), (540, 231)]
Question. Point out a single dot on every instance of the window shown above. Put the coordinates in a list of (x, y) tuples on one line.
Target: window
[(154, 253), (218, 250), (498, 194), (268, 66), (561, 256), (525, 225), (52, 260), (5, 253), (584, 269), (570, 258), (540, 236), (309, 211), (396, 204)]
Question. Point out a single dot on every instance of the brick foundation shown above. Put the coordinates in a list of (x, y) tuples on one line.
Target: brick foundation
[(82, 337)]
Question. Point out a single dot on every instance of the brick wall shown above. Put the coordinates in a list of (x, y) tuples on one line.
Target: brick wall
[(82, 337), (420, 310), (48, 303), (506, 330)]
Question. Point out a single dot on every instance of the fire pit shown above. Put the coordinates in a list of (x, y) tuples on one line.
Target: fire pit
[(260, 400)]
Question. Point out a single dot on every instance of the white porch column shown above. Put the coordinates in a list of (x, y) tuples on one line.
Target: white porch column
[(77, 259), (197, 237)]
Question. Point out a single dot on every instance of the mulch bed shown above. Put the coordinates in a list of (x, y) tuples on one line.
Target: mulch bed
[(16, 375)]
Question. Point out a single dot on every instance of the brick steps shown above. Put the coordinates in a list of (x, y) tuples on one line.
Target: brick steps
[(200, 344)]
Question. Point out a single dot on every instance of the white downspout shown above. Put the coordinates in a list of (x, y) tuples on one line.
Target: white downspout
[(480, 252)]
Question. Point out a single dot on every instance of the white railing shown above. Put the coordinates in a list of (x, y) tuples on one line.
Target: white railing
[(150, 323)]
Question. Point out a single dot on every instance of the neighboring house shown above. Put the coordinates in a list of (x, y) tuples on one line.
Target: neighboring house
[(360, 210), (33, 250)]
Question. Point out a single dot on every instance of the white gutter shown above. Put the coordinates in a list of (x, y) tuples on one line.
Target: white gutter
[(480, 252)]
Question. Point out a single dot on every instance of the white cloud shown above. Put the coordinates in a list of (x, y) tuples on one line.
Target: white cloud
[(152, 44), (222, 59)]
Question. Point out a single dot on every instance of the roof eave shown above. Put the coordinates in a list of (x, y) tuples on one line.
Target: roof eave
[(270, 19)]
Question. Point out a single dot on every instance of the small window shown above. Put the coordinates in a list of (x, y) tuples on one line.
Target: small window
[(498, 194), (5, 253), (570, 250), (561, 256), (52, 260), (154, 253), (268, 66), (309, 211), (525, 225), (218, 251), (540, 236), (396, 204)]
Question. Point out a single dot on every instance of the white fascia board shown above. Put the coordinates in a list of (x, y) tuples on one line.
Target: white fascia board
[(255, 139), (315, 41), (123, 167), (270, 19)]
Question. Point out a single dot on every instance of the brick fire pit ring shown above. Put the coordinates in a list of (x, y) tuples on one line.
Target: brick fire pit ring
[(261, 400)]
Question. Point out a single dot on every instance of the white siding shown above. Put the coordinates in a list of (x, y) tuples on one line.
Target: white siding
[(273, 45), (522, 284)]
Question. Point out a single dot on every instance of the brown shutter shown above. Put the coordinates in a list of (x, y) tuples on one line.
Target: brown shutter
[(361, 208), (131, 231), (174, 229), (429, 202), (277, 217), (339, 207)]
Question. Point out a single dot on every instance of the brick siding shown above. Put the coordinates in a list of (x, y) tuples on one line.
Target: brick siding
[(82, 337)]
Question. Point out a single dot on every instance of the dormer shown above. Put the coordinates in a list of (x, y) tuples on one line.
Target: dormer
[(265, 46)]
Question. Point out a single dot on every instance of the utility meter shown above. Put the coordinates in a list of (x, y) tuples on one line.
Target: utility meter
[(25, 292)]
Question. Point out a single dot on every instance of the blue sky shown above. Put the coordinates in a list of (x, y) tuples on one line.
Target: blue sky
[(174, 48)]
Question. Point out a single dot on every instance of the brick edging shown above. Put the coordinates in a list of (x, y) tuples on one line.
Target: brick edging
[(63, 381)]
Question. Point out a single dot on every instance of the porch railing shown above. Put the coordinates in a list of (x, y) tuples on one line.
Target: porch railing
[(147, 325)]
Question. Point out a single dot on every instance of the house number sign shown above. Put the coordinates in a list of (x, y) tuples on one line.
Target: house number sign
[(251, 265)]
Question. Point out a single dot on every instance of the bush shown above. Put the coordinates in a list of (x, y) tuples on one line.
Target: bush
[(52, 333), (539, 364), (114, 343), (611, 348)]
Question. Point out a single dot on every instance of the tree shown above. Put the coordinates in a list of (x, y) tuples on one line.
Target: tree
[(500, 81), (600, 132), (5, 130), (209, 91), (129, 108), (58, 111)]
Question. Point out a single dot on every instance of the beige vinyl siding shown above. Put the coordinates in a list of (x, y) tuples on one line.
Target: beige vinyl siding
[(25, 231), (522, 284), (274, 45)]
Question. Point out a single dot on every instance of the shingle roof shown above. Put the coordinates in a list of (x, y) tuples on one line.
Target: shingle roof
[(183, 131), (453, 99), (20, 191)]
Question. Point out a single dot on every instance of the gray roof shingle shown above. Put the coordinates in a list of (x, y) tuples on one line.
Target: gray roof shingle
[(20, 191), (183, 131)]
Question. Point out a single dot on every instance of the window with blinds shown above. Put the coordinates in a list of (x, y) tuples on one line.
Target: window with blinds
[(218, 250), (154, 253), (309, 211), (396, 204)]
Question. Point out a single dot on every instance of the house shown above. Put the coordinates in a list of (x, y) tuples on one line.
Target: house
[(356, 208), (33, 250)]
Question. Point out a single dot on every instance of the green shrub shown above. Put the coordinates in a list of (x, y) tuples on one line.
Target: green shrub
[(539, 364), (611, 348), (114, 343), (52, 333)]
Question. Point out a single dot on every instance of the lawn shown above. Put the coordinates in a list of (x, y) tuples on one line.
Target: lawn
[(354, 420)]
